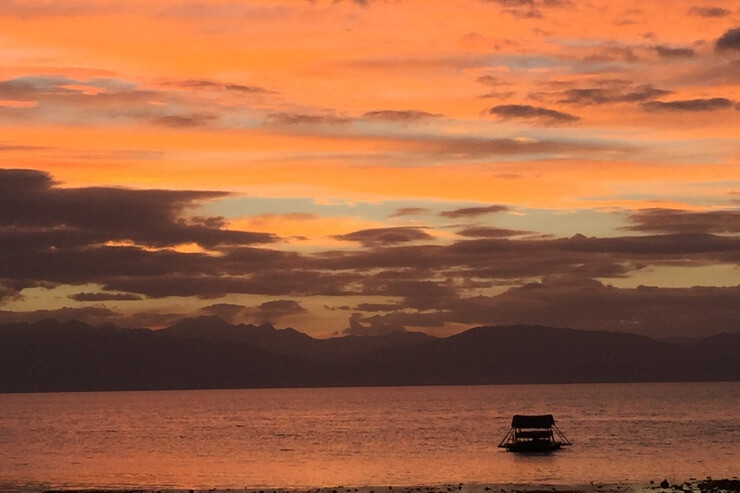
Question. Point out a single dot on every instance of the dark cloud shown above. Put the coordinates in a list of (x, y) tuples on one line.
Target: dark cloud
[(8, 294), (500, 259), (230, 312), (104, 99), (711, 104), (499, 87), (362, 3), (417, 294), (473, 211), (345, 308), (410, 211), (268, 280), (534, 113), (656, 312), (304, 119), (378, 307), (271, 311), (41, 212), (528, 8), (51, 236), (100, 93), (197, 84), (669, 52), (603, 92), (66, 244), (13, 148), (497, 95), (461, 147), (421, 64), (588, 304), (360, 325), (489, 232), (607, 95), (631, 16), (724, 73), (729, 41), (268, 312), (610, 54), (54, 98), (492, 81), (90, 314), (400, 116), (17, 90), (680, 221), (246, 89), (209, 84), (10, 289), (148, 319), (37, 88), (515, 3), (709, 11), (186, 121), (386, 236), (103, 296)]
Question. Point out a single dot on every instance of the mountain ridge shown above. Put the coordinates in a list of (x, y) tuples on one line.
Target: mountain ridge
[(212, 353)]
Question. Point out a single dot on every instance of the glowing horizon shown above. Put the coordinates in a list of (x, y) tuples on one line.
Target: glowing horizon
[(373, 165)]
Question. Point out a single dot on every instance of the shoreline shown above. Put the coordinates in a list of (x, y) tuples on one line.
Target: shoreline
[(692, 485)]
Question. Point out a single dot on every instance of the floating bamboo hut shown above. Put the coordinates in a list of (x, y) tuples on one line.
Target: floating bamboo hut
[(533, 434)]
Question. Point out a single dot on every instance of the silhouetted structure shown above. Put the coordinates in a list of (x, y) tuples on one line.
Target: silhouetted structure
[(533, 434)]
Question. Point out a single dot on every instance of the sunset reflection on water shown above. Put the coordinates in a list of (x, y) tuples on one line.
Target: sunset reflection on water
[(364, 436)]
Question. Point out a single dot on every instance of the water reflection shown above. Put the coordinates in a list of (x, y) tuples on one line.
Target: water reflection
[(401, 436)]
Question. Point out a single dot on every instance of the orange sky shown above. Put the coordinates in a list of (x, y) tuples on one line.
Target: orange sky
[(322, 118)]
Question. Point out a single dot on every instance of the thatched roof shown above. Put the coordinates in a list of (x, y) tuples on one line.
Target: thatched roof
[(523, 421)]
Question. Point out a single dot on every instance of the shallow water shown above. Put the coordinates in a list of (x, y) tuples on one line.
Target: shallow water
[(358, 436)]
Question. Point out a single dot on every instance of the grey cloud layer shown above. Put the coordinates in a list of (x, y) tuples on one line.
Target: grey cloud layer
[(601, 95), (386, 236), (677, 312), (178, 103), (210, 84), (729, 41), (528, 8), (473, 211), (489, 232), (400, 115), (34, 211), (678, 221), (53, 236), (305, 119), (528, 112), (672, 52), (709, 11), (268, 312), (710, 104), (186, 104)]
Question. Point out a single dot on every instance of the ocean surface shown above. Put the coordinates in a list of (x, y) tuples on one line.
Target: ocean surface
[(365, 436)]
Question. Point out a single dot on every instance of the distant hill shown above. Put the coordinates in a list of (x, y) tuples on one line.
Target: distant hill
[(288, 342), (208, 352)]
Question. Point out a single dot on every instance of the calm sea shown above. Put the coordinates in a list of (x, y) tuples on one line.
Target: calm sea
[(365, 436)]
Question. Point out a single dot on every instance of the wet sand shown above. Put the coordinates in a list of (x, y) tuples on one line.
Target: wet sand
[(691, 485)]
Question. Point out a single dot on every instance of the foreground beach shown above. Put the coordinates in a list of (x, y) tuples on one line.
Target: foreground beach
[(692, 485)]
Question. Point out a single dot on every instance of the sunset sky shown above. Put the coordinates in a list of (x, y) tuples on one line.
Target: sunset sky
[(367, 166)]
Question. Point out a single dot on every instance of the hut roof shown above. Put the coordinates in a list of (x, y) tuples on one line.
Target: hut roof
[(523, 421)]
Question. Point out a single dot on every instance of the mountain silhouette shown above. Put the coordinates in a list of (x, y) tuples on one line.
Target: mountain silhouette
[(207, 352), (289, 341)]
